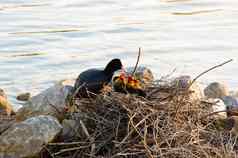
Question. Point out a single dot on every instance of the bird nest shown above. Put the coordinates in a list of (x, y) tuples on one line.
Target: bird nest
[(167, 123)]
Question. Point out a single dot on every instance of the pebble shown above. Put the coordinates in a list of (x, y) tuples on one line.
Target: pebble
[(24, 96)]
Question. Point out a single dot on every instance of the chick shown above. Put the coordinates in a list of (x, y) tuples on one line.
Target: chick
[(119, 83), (134, 86)]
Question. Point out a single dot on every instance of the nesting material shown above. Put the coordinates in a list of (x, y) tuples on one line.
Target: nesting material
[(165, 124)]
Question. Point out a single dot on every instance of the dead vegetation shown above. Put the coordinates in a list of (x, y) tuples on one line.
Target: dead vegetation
[(165, 124)]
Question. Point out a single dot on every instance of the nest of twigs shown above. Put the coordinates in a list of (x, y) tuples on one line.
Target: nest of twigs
[(165, 124)]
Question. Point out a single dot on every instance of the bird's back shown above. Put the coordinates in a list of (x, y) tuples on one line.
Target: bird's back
[(93, 80)]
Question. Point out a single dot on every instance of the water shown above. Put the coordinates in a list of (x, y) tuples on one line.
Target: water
[(43, 41)]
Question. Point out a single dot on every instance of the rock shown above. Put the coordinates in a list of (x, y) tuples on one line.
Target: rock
[(232, 93), (142, 73), (216, 90), (52, 102), (232, 104), (219, 105), (235, 94), (70, 129), (230, 101), (4, 104), (183, 82), (24, 96), (27, 138)]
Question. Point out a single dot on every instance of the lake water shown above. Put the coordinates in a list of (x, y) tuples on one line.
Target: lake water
[(43, 41)]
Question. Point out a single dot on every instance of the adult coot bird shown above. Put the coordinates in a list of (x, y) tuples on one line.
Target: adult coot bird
[(93, 80)]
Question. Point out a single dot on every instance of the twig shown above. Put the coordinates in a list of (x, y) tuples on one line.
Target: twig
[(212, 68), (134, 128), (52, 155), (128, 154), (64, 144), (217, 112), (201, 74), (138, 58), (93, 146), (71, 98), (76, 91), (149, 154), (70, 149)]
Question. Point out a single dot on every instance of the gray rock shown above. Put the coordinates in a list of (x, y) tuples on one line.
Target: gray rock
[(183, 82), (231, 102), (27, 138), (216, 90), (218, 105), (52, 102), (70, 129), (23, 96)]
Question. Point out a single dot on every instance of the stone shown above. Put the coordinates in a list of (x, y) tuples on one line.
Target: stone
[(183, 82), (24, 96), (5, 105), (231, 104), (216, 90), (52, 102), (230, 101), (219, 105), (70, 129), (236, 94), (27, 138)]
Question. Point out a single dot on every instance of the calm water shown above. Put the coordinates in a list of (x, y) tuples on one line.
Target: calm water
[(43, 41)]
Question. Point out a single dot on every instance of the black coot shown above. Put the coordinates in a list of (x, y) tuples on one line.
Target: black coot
[(93, 80)]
